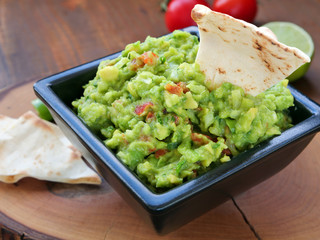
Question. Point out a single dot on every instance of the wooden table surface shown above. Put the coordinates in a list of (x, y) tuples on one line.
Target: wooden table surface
[(42, 37)]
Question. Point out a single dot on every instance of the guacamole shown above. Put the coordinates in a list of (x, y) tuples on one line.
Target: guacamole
[(151, 107)]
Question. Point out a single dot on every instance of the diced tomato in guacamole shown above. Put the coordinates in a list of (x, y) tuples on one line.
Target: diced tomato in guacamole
[(150, 105)]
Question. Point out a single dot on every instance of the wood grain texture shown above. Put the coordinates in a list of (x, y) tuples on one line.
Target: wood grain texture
[(42, 37), (287, 206), (39, 38)]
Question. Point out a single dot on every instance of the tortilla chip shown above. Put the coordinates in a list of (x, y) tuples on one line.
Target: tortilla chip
[(5, 122), (32, 147), (238, 52)]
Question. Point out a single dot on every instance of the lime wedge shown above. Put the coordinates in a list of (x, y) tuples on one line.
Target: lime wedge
[(41, 109), (294, 36)]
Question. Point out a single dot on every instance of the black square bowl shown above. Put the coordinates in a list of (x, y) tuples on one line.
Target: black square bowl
[(169, 210)]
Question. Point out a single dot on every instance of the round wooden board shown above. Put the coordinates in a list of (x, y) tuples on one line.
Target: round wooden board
[(40, 38), (45, 210)]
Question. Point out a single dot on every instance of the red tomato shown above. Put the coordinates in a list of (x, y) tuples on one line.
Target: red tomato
[(184, 87), (173, 89), (201, 139), (149, 58), (150, 116), (140, 109), (160, 152), (242, 9), (178, 14)]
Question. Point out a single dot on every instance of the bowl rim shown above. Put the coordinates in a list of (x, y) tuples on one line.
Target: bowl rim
[(160, 202)]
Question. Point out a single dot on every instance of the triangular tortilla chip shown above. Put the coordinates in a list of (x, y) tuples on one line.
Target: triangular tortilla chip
[(235, 51), (32, 147)]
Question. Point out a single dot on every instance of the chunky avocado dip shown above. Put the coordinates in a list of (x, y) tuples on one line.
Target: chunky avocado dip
[(151, 107)]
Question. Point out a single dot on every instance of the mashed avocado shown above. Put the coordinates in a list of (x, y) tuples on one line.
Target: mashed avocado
[(151, 107)]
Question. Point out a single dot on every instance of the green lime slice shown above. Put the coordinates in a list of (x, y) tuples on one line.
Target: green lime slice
[(294, 36), (41, 109)]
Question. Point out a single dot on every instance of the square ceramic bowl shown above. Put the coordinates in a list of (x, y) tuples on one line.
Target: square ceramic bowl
[(169, 210)]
